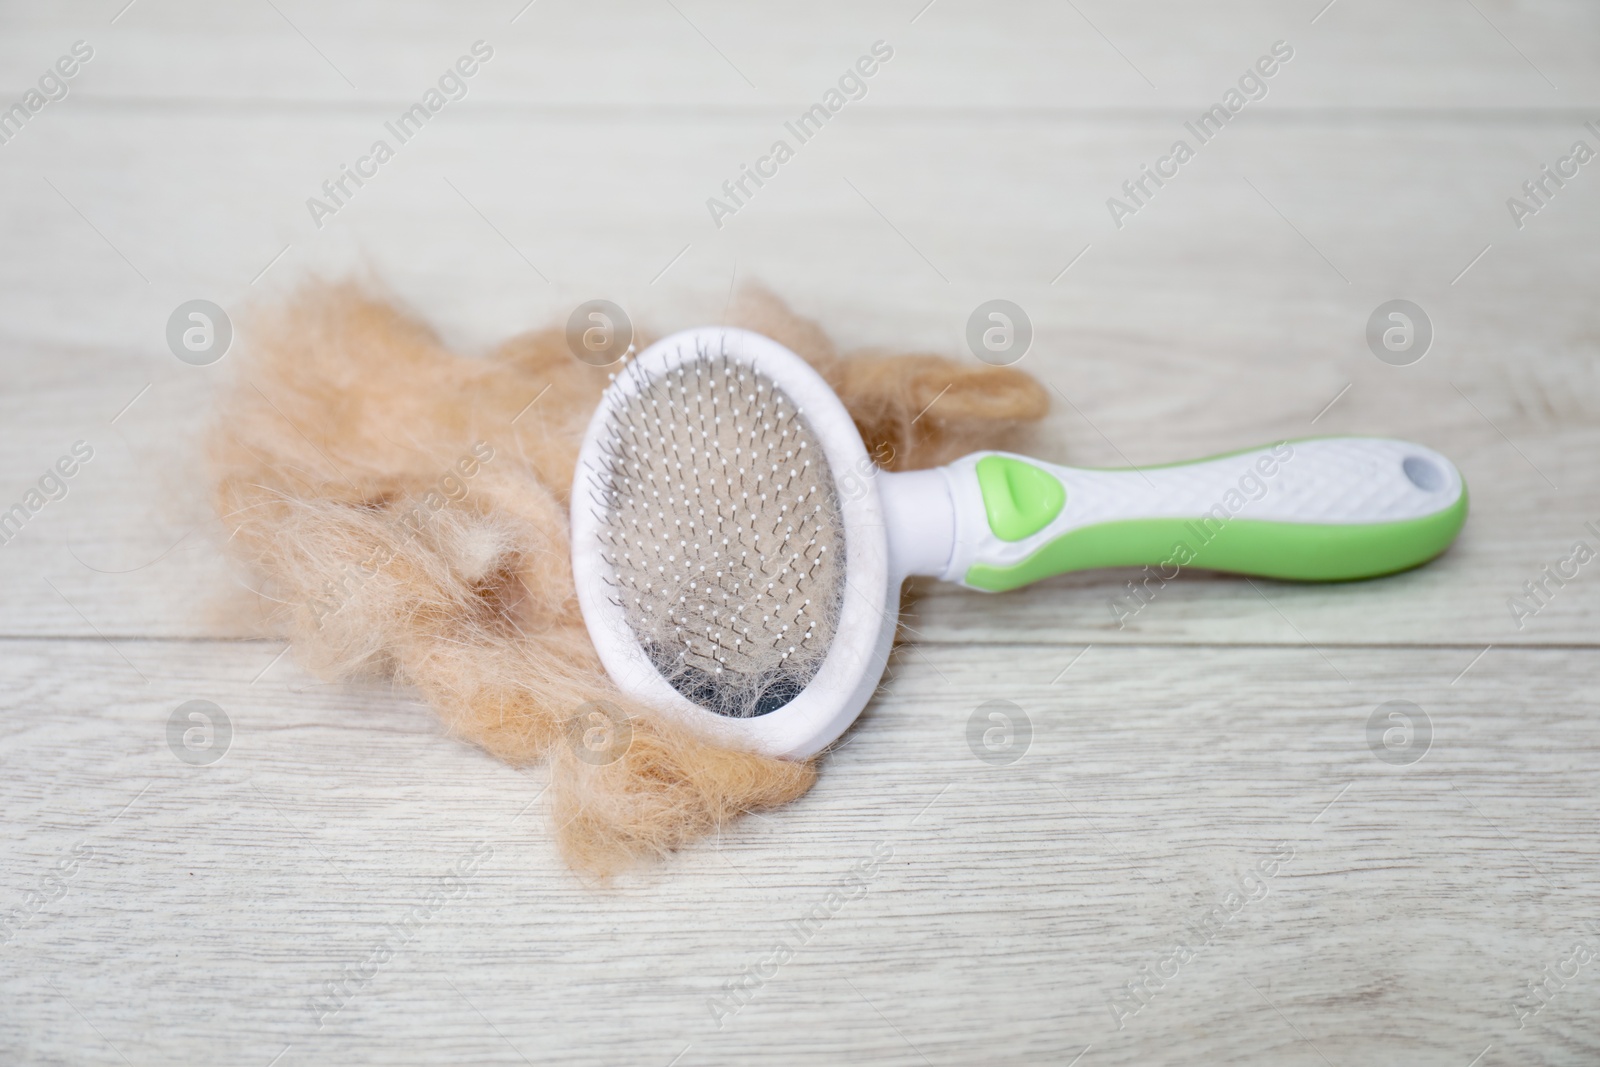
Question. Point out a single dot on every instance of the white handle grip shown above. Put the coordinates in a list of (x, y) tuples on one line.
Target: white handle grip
[(1000, 511)]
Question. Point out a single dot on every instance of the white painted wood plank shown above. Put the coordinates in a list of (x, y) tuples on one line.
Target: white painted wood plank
[(948, 54), (1420, 900), (1210, 321)]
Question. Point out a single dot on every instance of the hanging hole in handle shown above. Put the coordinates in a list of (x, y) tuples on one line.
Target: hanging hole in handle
[(1423, 474)]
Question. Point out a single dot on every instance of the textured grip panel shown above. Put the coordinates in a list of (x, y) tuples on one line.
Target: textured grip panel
[(1293, 498)]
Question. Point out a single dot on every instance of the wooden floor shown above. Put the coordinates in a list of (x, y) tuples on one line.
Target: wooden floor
[(1206, 853)]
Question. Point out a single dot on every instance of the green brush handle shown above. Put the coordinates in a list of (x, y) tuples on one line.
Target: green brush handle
[(1326, 509)]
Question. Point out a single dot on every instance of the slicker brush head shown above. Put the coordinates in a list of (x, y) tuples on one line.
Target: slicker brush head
[(720, 526)]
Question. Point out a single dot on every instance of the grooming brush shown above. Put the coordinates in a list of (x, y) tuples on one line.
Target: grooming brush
[(739, 558)]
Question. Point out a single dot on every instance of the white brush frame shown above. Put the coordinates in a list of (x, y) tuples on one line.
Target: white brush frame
[(856, 659)]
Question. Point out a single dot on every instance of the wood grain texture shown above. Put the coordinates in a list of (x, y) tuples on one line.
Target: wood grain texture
[(1212, 327), (155, 911), (1035, 54), (1017, 902)]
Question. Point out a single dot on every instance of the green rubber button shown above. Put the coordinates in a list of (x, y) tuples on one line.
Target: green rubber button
[(1019, 498)]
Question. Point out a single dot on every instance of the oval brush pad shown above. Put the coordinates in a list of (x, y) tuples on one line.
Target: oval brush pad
[(728, 543), (722, 533)]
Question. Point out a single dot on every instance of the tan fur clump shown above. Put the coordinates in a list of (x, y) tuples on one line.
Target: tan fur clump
[(405, 512), (962, 407)]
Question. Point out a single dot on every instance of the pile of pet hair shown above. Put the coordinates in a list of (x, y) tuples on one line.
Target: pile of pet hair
[(403, 513)]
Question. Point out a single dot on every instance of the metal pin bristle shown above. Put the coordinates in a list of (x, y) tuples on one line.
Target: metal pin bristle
[(699, 443)]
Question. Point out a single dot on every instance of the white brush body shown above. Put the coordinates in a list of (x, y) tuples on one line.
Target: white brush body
[(869, 594), (663, 630)]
